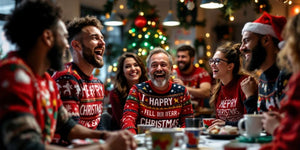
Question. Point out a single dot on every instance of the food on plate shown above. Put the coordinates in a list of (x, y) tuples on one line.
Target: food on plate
[(214, 130), (225, 130)]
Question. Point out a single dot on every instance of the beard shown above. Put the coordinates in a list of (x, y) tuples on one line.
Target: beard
[(258, 57), (160, 83), (185, 66), (90, 58), (55, 55)]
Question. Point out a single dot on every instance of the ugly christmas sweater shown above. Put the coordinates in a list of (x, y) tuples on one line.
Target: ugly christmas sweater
[(30, 107), (287, 134), (163, 109), (82, 95), (270, 87), (229, 105)]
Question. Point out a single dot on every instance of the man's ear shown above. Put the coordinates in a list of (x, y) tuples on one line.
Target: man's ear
[(266, 39), (48, 37), (76, 45)]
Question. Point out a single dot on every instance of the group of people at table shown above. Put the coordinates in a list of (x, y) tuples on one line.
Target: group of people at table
[(39, 111)]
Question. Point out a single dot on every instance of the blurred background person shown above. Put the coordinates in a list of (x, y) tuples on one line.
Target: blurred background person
[(158, 101), (131, 70), (228, 99), (286, 127), (30, 106), (196, 79)]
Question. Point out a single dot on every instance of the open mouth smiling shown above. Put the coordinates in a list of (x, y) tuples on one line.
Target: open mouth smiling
[(158, 76), (99, 52)]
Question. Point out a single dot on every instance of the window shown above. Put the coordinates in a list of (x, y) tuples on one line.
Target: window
[(6, 7)]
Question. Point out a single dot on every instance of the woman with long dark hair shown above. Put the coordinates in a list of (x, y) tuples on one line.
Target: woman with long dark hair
[(131, 70)]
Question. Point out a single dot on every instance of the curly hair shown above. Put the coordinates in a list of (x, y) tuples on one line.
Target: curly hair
[(291, 49), (28, 21), (120, 81)]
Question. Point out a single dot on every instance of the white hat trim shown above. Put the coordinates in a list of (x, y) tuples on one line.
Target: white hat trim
[(259, 28)]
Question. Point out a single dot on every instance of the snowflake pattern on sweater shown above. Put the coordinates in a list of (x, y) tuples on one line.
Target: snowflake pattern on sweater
[(270, 87), (287, 134), (163, 109), (82, 95)]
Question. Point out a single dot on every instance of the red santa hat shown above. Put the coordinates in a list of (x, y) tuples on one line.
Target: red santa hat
[(267, 24)]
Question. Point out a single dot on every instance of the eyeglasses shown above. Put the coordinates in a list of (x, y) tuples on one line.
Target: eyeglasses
[(216, 61)]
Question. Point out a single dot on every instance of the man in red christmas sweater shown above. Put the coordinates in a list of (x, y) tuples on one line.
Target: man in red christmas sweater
[(82, 93), (158, 101), (196, 79), (30, 106)]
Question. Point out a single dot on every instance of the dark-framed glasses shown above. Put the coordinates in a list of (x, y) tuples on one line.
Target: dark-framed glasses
[(216, 61)]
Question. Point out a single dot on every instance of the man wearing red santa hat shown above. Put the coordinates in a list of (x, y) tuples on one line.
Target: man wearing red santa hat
[(259, 47)]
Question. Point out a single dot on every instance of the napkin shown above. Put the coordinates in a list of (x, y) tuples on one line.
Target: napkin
[(260, 139)]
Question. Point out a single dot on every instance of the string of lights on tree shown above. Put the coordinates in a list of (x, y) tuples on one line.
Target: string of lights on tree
[(146, 31)]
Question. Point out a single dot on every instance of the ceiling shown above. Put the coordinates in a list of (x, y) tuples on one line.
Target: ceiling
[(162, 6)]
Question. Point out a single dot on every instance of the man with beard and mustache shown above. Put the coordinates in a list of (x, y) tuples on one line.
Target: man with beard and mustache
[(158, 101), (196, 79), (259, 47), (30, 106), (82, 93)]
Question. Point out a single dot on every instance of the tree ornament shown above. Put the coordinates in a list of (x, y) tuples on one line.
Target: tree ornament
[(140, 21), (190, 5)]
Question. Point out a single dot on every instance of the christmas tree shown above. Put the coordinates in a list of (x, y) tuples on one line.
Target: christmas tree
[(146, 31)]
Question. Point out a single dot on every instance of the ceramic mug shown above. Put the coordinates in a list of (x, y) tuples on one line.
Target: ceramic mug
[(207, 122), (163, 139), (253, 125), (142, 128)]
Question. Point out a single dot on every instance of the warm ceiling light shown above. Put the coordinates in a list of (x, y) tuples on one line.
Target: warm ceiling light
[(170, 20), (211, 4), (113, 20)]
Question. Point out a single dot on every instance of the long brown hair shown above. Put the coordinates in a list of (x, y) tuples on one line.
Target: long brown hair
[(232, 54), (291, 34), (120, 82)]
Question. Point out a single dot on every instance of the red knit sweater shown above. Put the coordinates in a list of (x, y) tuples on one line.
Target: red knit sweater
[(199, 75), (163, 109)]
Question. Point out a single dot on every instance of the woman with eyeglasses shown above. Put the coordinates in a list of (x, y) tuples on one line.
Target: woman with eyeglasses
[(228, 99)]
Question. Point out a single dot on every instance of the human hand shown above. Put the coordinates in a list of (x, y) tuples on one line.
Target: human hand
[(178, 81), (121, 140), (249, 86), (217, 122), (271, 121)]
